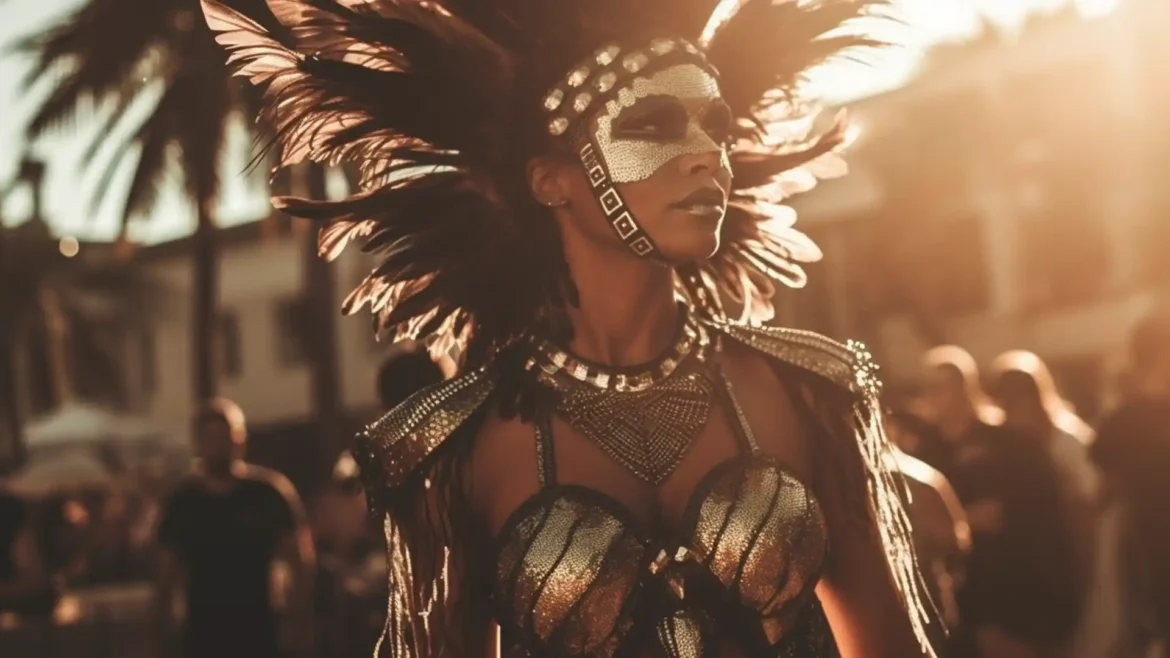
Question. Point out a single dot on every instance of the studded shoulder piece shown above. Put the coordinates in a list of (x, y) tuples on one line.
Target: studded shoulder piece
[(391, 448), (851, 367)]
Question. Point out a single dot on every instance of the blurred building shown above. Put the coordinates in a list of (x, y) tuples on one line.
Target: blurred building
[(264, 351), (1013, 196)]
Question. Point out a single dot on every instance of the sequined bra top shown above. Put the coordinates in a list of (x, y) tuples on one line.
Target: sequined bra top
[(577, 574)]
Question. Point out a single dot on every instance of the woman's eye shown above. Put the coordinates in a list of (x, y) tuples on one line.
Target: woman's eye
[(664, 123), (717, 123)]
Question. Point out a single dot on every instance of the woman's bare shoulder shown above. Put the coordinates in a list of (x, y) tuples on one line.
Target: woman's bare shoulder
[(503, 468)]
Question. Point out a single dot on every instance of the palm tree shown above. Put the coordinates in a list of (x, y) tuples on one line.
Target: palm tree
[(57, 309), (117, 54), (120, 52), (123, 51)]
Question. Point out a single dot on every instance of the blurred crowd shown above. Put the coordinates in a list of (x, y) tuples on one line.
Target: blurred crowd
[(1039, 533)]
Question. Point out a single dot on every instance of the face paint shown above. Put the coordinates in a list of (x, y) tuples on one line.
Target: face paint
[(654, 111), (633, 147)]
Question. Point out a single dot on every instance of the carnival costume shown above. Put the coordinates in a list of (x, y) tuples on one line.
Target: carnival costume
[(440, 104)]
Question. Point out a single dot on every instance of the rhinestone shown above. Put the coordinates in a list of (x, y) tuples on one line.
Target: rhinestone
[(606, 55), (578, 76), (554, 99), (558, 126), (606, 81), (635, 62), (661, 46), (582, 101)]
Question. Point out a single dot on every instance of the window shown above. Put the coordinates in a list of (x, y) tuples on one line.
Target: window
[(291, 331), (231, 354)]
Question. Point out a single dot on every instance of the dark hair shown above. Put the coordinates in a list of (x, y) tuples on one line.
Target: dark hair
[(221, 410), (407, 370)]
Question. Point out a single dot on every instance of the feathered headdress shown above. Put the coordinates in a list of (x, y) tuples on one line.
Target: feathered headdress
[(440, 103)]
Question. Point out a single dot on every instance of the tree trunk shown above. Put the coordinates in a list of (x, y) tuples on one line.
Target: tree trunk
[(205, 354), (57, 347), (320, 331), (12, 448)]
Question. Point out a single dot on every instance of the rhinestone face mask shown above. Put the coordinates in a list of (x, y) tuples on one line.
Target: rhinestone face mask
[(630, 112), (624, 135)]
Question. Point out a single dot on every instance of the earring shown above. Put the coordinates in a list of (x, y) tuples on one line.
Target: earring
[(556, 204)]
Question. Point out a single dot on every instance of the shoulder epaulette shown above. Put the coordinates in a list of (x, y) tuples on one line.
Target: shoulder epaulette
[(848, 364), (392, 447)]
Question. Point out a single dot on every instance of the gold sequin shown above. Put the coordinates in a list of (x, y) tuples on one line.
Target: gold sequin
[(554, 99), (635, 62), (606, 55), (606, 81), (662, 46), (578, 76), (582, 101)]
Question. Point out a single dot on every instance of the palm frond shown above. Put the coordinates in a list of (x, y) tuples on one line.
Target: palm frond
[(106, 49), (150, 170)]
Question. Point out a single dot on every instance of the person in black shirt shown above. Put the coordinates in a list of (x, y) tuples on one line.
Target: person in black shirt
[(23, 579), (220, 533), (1019, 597), (1133, 452)]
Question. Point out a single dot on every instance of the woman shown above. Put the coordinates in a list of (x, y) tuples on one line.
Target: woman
[(1025, 389), (551, 186)]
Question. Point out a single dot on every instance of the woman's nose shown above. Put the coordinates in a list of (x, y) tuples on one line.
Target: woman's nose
[(706, 162)]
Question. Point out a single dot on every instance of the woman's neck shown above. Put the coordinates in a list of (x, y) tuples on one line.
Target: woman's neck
[(628, 315)]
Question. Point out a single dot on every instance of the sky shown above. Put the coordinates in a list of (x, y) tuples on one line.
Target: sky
[(68, 192)]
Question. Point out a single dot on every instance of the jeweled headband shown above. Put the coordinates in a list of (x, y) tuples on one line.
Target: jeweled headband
[(613, 77)]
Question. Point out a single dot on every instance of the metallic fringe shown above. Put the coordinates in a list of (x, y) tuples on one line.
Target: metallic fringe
[(893, 522), (407, 632)]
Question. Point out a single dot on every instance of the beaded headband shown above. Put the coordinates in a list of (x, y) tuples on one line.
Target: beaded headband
[(599, 77)]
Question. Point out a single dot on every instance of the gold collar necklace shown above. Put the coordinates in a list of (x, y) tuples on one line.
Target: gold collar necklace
[(644, 417)]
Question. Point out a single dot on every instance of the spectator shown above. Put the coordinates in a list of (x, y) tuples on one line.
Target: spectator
[(407, 369), (1133, 451), (220, 534), (24, 583), (1017, 599)]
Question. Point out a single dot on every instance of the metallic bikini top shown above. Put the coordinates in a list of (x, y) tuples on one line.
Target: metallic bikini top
[(576, 574)]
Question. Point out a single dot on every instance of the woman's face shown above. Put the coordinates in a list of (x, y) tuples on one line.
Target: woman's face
[(1019, 397), (945, 392), (664, 142)]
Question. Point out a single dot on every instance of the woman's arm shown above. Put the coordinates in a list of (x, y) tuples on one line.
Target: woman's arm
[(867, 617), (857, 591)]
